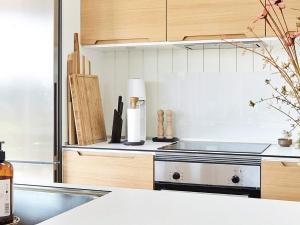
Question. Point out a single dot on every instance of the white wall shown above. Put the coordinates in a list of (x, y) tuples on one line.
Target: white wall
[(208, 89)]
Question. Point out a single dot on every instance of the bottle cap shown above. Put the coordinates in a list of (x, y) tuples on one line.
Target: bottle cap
[(133, 102), (2, 153)]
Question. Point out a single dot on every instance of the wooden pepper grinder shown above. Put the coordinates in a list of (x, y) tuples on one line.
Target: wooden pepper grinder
[(169, 128), (160, 122)]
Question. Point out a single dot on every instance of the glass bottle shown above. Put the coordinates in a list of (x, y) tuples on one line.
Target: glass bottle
[(6, 184)]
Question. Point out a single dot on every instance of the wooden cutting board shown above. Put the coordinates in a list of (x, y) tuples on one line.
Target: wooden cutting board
[(71, 69), (87, 107), (77, 64)]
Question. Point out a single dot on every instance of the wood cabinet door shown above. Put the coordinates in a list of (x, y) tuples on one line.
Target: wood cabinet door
[(119, 21), (127, 170), (212, 19), (291, 12), (280, 180)]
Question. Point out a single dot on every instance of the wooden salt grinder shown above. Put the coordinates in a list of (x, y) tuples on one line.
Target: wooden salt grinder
[(160, 125)]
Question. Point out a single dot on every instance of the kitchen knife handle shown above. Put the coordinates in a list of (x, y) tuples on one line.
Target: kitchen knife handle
[(119, 103), (121, 109)]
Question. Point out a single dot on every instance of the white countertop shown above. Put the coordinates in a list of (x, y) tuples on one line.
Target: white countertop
[(142, 207), (282, 153), (274, 150), (149, 145)]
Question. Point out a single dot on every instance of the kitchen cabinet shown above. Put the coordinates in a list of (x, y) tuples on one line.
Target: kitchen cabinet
[(280, 180), (291, 12), (127, 170), (119, 21), (203, 19)]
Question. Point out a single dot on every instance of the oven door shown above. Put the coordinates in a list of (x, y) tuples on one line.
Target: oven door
[(208, 177)]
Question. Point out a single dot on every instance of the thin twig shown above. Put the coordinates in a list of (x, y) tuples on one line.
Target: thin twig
[(295, 121), (297, 108)]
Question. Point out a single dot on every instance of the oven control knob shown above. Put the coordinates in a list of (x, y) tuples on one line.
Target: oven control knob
[(176, 176), (235, 179)]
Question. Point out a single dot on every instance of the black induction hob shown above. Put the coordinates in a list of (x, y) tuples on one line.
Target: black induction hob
[(222, 147)]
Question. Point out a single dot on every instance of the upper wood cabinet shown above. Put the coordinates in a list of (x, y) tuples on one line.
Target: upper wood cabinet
[(119, 21), (291, 12), (207, 19)]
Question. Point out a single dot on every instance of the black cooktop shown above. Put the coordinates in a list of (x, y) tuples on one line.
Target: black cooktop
[(207, 146)]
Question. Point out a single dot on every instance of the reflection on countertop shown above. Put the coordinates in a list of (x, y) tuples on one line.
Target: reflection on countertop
[(147, 207), (34, 204)]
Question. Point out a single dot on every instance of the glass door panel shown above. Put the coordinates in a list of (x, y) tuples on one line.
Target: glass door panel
[(27, 58)]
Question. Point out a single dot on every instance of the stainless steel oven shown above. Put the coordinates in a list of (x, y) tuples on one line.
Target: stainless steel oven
[(202, 171)]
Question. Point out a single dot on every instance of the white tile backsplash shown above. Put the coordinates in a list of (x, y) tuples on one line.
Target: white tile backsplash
[(151, 79), (164, 61), (208, 90), (136, 63), (228, 62), (106, 79), (244, 60), (211, 60), (195, 60), (179, 60)]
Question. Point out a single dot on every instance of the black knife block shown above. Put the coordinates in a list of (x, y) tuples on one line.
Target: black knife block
[(117, 123)]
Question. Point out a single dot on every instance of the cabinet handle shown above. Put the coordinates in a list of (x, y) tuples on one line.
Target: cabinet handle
[(121, 41), (213, 36), (290, 164), (103, 155)]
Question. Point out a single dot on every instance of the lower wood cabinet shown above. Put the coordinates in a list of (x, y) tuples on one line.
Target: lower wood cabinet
[(280, 180), (127, 170)]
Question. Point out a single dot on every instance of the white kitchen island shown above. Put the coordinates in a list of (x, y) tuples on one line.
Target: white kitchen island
[(143, 207)]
